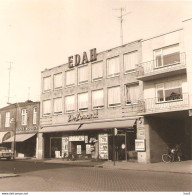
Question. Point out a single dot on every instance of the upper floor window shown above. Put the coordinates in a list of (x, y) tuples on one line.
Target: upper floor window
[(169, 91), (114, 96), (46, 107), (113, 67), (167, 56), (97, 71), (7, 119), (132, 93), (57, 81), (83, 101), (97, 99), (24, 117), (83, 74), (34, 115), (69, 103), (130, 60), (47, 83), (57, 105), (70, 78)]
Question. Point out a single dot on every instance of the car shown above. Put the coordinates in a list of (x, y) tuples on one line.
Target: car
[(6, 153)]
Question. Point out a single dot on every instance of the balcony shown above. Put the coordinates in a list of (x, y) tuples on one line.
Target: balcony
[(163, 66), (158, 105)]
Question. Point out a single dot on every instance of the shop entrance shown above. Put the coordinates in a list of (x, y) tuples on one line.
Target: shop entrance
[(55, 147)]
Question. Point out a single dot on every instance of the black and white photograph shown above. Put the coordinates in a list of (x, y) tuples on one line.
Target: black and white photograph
[(95, 96)]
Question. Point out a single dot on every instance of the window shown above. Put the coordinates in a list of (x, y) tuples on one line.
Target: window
[(97, 71), (7, 119), (130, 60), (70, 78), (97, 99), (70, 103), (114, 96), (83, 75), (34, 115), (46, 107), (113, 67), (83, 101), (57, 105), (167, 56), (24, 117), (132, 94), (58, 81), (47, 84), (169, 91)]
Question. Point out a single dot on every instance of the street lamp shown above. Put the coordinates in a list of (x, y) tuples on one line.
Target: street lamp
[(14, 134)]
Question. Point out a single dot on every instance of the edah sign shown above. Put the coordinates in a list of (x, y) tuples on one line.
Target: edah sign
[(78, 61)]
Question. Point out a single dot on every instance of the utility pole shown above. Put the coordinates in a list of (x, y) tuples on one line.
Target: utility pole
[(121, 22), (10, 63)]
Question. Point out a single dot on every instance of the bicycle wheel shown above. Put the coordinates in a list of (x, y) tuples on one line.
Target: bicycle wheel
[(166, 158)]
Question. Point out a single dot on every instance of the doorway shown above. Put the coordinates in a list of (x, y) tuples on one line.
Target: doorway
[(55, 147)]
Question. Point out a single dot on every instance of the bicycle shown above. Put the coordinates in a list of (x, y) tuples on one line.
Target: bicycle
[(170, 156)]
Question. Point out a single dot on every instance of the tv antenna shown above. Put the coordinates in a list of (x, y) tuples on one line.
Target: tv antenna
[(121, 21), (9, 86), (29, 93)]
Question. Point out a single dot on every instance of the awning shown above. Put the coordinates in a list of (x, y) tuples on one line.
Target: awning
[(20, 137), (3, 135), (91, 126)]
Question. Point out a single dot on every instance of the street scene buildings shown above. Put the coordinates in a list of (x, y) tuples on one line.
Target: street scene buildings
[(128, 103)]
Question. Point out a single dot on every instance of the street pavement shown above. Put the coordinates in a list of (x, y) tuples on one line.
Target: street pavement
[(57, 175)]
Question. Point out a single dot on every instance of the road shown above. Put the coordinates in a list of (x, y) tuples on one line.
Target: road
[(57, 177)]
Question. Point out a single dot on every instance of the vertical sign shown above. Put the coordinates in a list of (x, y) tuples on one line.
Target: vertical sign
[(65, 142), (103, 146), (78, 149), (88, 149)]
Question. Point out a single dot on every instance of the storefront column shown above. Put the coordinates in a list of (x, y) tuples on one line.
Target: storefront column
[(40, 146)]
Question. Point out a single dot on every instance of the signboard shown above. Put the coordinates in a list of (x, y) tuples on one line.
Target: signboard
[(76, 138), (33, 128), (65, 142), (88, 149), (103, 146), (140, 145), (86, 139), (78, 149)]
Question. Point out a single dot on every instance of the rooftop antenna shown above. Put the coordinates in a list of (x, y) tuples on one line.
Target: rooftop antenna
[(121, 21), (29, 93), (9, 86)]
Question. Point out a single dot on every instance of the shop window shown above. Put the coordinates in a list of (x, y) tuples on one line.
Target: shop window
[(83, 75), (46, 107), (114, 96), (130, 60), (57, 81), (97, 71), (167, 56), (57, 106), (169, 91), (35, 116), (83, 101), (113, 67), (70, 78), (97, 99), (69, 103), (46, 84), (7, 119), (132, 93), (24, 117)]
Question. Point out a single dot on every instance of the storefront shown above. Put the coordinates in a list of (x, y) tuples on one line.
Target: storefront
[(93, 140)]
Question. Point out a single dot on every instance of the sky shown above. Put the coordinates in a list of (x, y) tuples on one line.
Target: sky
[(40, 34)]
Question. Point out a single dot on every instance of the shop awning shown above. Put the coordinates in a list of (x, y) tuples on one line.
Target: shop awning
[(20, 137), (3, 135), (91, 126)]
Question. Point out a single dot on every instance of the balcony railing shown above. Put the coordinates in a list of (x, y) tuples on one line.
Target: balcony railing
[(161, 63), (153, 105)]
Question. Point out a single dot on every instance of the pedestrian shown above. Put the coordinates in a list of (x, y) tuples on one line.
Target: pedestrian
[(178, 152)]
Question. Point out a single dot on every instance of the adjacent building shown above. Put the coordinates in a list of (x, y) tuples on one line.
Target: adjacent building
[(19, 124)]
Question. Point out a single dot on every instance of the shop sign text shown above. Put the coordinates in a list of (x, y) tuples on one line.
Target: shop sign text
[(79, 116), (27, 128), (78, 61), (77, 138)]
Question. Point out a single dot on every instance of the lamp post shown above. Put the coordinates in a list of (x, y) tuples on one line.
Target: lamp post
[(14, 136)]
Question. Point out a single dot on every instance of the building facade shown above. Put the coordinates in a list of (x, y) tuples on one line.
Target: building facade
[(20, 122), (83, 104)]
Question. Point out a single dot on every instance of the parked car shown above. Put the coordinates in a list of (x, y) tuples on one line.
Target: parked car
[(6, 153)]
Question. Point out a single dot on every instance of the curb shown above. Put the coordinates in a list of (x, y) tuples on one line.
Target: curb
[(5, 175)]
